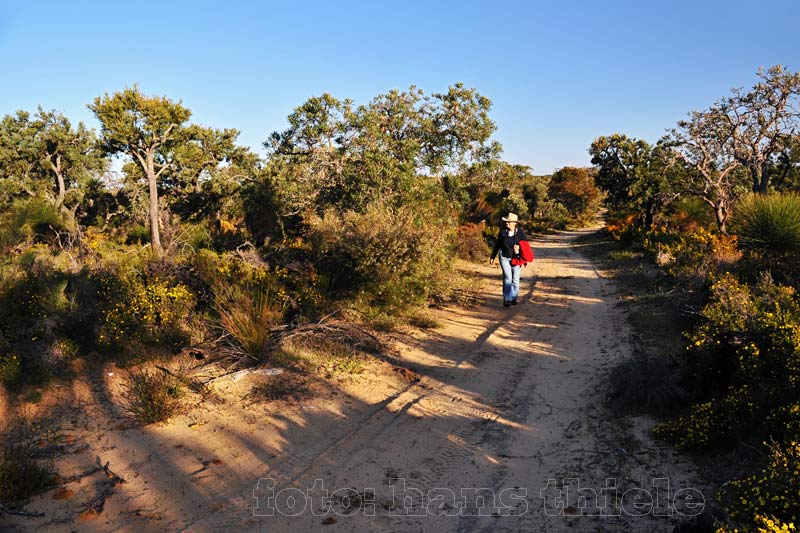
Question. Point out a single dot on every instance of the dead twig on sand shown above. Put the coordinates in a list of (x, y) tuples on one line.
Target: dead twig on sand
[(95, 505)]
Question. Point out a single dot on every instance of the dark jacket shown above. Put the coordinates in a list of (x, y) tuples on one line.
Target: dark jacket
[(505, 244)]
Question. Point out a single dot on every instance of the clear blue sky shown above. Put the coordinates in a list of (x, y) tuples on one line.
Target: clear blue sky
[(559, 73)]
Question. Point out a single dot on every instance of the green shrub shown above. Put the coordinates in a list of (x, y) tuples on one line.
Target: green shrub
[(770, 225), (153, 397), (554, 215), (138, 234), (391, 257), (29, 220)]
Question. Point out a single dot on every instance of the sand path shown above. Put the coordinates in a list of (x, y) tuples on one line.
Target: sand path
[(507, 409)]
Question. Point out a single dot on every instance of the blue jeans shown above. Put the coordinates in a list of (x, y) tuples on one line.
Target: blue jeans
[(510, 278)]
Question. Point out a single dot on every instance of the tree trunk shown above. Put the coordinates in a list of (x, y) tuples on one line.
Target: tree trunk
[(721, 214), (62, 189), (649, 208), (765, 176), (760, 176), (155, 235)]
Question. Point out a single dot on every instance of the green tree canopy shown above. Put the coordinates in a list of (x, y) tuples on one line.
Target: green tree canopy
[(634, 175), (43, 155), (397, 147), (148, 129)]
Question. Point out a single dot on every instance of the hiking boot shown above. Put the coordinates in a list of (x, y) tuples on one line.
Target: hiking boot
[(514, 301), (506, 303)]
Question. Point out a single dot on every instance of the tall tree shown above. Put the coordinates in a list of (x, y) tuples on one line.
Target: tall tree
[(634, 174), (397, 146), (762, 121), (575, 188), (18, 157), (309, 158), (704, 144), (43, 155), (148, 129), (66, 154)]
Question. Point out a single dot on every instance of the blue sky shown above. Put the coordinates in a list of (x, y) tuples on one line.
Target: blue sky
[(559, 73)]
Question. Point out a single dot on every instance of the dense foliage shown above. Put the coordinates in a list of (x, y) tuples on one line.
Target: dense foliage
[(738, 257)]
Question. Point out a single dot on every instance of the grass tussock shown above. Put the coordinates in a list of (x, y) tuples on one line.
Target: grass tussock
[(770, 225), (250, 319), (153, 397)]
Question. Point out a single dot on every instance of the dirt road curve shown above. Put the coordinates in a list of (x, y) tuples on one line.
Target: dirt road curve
[(503, 431)]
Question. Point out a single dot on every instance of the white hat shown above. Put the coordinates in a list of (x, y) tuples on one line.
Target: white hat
[(512, 217)]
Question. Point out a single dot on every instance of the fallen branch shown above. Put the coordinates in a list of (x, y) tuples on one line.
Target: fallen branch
[(96, 504)]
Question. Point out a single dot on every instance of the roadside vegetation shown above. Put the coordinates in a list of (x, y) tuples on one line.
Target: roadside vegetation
[(350, 223), (703, 232)]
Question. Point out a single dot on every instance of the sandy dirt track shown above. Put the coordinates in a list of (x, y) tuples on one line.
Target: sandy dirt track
[(501, 407)]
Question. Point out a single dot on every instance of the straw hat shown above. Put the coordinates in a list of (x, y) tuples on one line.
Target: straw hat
[(512, 217)]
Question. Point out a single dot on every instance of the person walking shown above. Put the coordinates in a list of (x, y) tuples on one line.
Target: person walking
[(508, 246)]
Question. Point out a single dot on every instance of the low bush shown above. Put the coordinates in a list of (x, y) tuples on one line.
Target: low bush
[(646, 383), (30, 220), (714, 423), (692, 258), (21, 474), (10, 369), (768, 497), (768, 228), (470, 242), (152, 310), (153, 396), (742, 362), (390, 257)]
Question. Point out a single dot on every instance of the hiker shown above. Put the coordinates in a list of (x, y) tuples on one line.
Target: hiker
[(508, 244)]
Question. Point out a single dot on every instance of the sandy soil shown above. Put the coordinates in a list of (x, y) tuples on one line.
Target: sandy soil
[(497, 424)]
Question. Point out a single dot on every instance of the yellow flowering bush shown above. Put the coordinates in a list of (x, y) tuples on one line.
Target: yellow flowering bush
[(143, 310), (748, 340), (10, 369), (695, 255), (709, 423), (770, 497), (770, 524)]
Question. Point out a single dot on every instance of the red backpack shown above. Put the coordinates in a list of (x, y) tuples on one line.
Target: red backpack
[(525, 254)]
